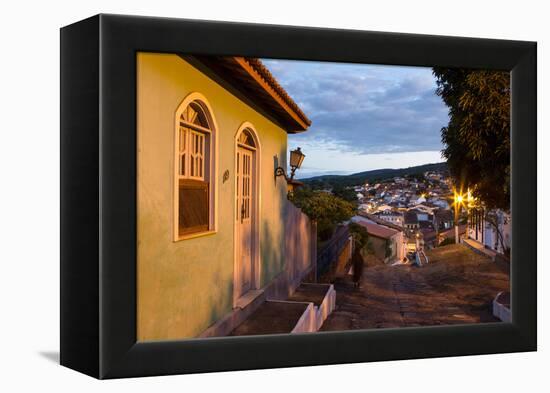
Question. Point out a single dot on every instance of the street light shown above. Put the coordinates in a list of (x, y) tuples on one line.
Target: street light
[(296, 159), (458, 202)]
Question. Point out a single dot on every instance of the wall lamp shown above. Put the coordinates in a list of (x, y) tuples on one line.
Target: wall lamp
[(296, 159)]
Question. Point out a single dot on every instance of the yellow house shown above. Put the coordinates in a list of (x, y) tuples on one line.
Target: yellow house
[(216, 233)]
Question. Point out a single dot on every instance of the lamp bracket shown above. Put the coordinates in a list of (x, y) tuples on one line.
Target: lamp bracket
[(281, 172)]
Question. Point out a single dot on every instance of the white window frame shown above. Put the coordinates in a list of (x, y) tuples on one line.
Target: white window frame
[(209, 168)]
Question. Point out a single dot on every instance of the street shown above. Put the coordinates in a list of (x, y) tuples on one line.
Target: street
[(456, 287)]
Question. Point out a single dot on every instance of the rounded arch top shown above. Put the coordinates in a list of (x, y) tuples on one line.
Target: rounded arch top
[(195, 108), (247, 135)]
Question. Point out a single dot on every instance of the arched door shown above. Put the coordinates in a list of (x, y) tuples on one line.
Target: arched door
[(246, 178)]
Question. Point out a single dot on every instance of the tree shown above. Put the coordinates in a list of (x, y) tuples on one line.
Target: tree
[(346, 193), (360, 235), (494, 219), (328, 210), (477, 138)]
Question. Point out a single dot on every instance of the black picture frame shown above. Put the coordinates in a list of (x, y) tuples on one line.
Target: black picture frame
[(98, 196)]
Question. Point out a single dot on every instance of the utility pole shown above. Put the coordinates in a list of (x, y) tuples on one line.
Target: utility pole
[(456, 223), (459, 199)]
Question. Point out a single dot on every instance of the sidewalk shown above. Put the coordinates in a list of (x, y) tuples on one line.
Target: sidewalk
[(478, 247)]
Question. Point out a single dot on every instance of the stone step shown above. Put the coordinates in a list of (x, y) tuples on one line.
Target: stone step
[(275, 317)]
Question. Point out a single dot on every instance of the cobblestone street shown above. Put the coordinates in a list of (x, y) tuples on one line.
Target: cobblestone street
[(456, 287)]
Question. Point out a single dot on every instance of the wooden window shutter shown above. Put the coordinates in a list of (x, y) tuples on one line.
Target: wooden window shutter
[(193, 206)]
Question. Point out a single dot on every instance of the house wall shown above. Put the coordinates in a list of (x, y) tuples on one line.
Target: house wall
[(400, 246), (378, 246), (183, 287), (397, 246)]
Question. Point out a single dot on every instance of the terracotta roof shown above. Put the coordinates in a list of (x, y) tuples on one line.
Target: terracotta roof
[(270, 79), (379, 221), (377, 230), (250, 80)]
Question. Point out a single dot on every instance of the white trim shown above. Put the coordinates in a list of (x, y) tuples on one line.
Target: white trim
[(257, 215), (213, 176)]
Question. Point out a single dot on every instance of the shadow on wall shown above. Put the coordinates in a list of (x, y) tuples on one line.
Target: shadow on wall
[(272, 258), (279, 162), (275, 166), (220, 300)]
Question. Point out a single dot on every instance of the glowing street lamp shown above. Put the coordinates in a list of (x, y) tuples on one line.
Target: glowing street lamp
[(458, 203)]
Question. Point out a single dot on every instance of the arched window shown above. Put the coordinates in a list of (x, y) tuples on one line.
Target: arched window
[(194, 170), (247, 139)]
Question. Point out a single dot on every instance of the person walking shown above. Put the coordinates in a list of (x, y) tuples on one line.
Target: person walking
[(358, 264)]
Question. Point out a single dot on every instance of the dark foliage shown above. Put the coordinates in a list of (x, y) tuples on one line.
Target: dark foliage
[(328, 210), (346, 193), (477, 138)]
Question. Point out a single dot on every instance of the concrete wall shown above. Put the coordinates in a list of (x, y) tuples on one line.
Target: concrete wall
[(300, 244), (308, 321), (346, 253), (185, 286)]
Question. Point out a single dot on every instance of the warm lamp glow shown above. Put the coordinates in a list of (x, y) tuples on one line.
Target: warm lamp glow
[(296, 158)]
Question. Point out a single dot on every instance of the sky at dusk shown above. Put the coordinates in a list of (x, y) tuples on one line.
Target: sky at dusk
[(363, 116)]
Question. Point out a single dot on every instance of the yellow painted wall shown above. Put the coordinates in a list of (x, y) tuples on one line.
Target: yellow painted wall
[(185, 286)]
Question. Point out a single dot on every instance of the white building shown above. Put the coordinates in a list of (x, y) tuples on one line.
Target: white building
[(391, 216), (491, 229), (400, 180)]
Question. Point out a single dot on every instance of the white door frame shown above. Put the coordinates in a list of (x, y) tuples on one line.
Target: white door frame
[(256, 266)]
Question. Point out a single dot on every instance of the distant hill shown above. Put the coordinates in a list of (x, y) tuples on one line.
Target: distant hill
[(369, 176)]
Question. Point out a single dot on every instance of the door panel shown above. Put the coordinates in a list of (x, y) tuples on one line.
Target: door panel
[(244, 217)]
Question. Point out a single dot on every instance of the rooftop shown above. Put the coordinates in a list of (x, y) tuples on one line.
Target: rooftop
[(375, 229), (250, 80)]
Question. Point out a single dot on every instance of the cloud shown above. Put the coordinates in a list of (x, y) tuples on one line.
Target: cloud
[(365, 109)]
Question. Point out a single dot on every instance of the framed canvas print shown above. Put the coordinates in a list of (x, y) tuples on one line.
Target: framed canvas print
[(240, 196)]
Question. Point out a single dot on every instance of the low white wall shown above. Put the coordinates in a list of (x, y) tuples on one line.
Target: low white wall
[(500, 311), (326, 307), (308, 321)]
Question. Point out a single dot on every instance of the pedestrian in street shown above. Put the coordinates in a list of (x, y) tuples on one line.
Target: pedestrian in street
[(358, 264)]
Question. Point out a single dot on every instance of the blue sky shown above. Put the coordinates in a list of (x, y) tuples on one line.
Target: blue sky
[(363, 116)]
